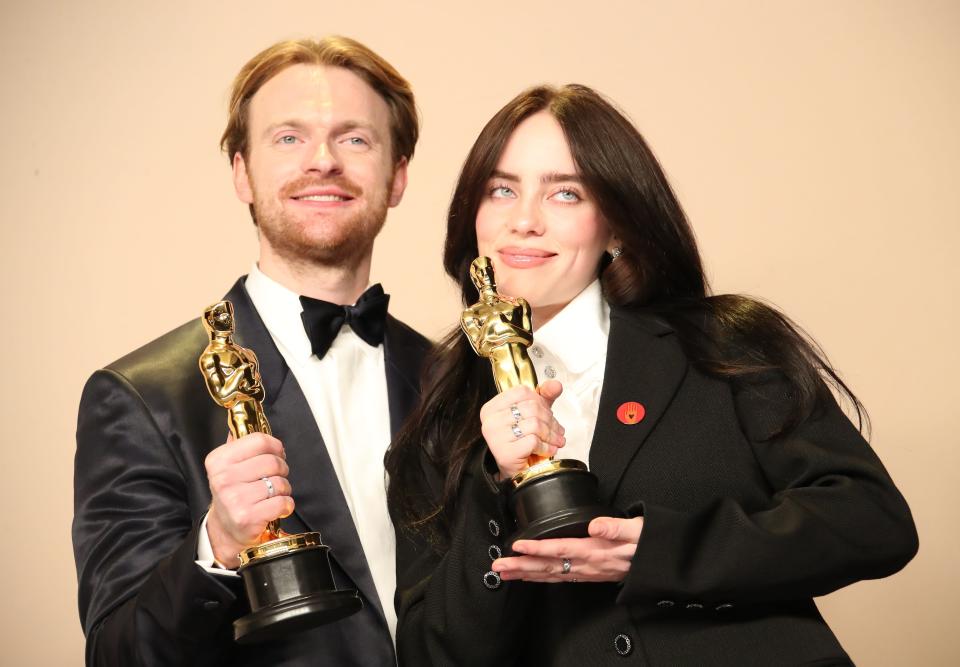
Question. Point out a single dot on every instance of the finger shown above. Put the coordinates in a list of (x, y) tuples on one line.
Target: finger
[(557, 548), (278, 507), (245, 448), (550, 390), (620, 530), (262, 465), (536, 427), (281, 487), (515, 395)]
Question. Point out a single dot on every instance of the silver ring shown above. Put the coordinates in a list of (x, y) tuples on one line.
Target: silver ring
[(566, 566), (515, 411), (271, 492), (517, 432)]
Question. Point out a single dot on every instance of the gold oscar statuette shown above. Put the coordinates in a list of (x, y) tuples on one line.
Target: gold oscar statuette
[(287, 577), (551, 497)]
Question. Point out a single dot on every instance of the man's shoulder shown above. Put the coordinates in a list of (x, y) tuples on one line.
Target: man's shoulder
[(169, 360)]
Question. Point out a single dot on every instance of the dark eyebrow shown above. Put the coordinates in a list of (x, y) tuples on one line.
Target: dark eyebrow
[(552, 177)]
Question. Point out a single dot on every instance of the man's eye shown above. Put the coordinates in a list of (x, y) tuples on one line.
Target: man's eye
[(356, 141), (287, 139)]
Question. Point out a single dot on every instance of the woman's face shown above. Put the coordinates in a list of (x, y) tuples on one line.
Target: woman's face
[(537, 221)]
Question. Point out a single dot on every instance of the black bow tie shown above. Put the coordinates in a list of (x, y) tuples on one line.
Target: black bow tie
[(322, 319)]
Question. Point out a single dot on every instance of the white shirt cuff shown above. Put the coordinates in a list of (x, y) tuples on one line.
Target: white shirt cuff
[(205, 557)]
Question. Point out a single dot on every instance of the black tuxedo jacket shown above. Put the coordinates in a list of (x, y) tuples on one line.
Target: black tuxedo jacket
[(146, 424), (741, 531)]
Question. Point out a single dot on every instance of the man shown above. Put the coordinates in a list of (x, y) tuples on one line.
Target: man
[(319, 135)]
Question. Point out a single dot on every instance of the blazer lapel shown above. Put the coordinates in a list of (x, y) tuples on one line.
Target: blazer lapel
[(403, 351), (320, 503), (645, 364)]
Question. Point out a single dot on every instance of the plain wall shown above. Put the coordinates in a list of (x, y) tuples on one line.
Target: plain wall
[(814, 145)]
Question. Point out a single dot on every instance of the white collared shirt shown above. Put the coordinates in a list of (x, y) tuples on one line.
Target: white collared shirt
[(347, 394), (572, 348)]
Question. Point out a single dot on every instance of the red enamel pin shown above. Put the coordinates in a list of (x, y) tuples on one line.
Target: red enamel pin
[(631, 412)]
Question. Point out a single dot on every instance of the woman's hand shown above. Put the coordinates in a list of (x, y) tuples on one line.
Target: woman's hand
[(604, 556), (518, 423)]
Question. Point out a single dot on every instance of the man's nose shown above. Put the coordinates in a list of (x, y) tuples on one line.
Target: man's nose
[(322, 158)]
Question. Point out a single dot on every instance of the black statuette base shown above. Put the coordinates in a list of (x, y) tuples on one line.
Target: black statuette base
[(561, 503), (291, 592)]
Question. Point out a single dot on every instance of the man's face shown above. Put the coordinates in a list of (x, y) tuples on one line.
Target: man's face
[(319, 169)]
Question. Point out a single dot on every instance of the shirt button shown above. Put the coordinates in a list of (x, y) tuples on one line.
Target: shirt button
[(694, 606), (665, 604), (537, 352), (491, 580), (494, 528), (623, 645), (494, 552), (723, 607), (550, 372)]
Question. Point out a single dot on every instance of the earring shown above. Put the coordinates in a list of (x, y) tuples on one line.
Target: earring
[(616, 252)]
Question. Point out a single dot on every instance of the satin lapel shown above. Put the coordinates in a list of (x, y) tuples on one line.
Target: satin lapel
[(403, 351), (253, 334), (320, 504), (644, 364)]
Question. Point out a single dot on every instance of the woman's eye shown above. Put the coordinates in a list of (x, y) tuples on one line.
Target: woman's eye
[(501, 192), (567, 196)]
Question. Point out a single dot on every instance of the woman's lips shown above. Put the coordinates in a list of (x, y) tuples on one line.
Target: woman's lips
[(524, 258)]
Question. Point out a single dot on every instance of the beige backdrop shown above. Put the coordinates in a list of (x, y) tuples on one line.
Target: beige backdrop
[(814, 144)]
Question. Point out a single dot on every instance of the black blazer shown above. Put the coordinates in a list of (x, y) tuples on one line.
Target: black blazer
[(741, 532), (146, 424)]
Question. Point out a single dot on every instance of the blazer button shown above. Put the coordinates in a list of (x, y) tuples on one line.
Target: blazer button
[(491, 580), (210, 605), (665, 604), (494, 528), (694, 606), (723, 607), (494, 552), (623, 644)]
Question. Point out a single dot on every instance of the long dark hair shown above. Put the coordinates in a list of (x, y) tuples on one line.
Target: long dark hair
[(727, 336)]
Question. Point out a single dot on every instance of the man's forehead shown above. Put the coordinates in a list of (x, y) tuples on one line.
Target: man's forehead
[(327, 91)]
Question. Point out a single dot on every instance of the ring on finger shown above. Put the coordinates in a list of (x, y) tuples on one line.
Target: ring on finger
[(515, 411), (565, 566), (517, 431), (271, 491)]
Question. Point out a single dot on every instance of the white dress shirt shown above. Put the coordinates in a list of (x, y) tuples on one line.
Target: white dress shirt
[(572, 348), (347, 394)]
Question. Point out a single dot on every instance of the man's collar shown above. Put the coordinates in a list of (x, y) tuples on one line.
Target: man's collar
[(280, 310)]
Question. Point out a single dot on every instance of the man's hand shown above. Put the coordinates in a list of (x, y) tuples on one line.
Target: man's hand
[(242, 507)]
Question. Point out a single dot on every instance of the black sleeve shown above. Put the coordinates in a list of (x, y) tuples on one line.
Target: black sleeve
[(452, 609), (835, 517), (143, 599)]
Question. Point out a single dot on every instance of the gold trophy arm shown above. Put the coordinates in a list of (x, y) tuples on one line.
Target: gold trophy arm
[(525, 310), (472, 327), (223, 387)]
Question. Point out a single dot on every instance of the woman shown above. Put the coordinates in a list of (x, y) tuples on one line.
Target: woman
[(707, 420)]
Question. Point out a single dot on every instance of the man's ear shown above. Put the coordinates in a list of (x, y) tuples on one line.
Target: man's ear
[(399, 182), (241, 180)]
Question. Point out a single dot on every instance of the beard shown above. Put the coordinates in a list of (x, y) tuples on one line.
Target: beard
[(333, 238)]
